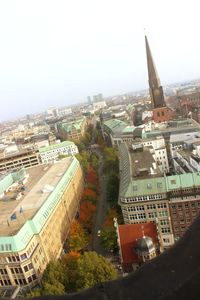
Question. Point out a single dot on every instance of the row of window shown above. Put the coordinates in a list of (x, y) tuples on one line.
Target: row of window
[(165, 230), (185, 205), (149, 206), (151, 215), (142, 198)]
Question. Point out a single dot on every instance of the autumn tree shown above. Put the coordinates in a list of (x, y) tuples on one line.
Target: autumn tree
[(89, 194), (86, 215), (91, 176), (77, 239), (93, 269)]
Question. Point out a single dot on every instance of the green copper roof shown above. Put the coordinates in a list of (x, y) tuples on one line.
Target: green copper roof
[(128, 129), (115, 125), (149, 186), (68, 126), (56, 146)]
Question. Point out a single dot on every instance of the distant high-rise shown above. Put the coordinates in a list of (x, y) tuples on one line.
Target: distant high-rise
[(89, 100), (98, 98), (161, 112)]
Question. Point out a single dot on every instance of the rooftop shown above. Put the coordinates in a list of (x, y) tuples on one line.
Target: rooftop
[(55, 146), (68, 125), (131, 186), (40, 177), (129, 235), (174, 126)]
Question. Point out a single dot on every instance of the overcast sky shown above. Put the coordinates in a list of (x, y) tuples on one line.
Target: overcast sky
[(55, 52)]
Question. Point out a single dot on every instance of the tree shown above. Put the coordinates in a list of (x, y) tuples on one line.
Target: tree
[(83, 158), (89, 194), (93, 269), (77, 239), (53, 289), (53, 279), (91, 176), (113, 188), (109, 239), (111, 160), (87, 210), (94, 161), (111, 214), (70, 263)]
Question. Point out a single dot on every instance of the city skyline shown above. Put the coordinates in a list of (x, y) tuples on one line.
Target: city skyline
[(58, 53)]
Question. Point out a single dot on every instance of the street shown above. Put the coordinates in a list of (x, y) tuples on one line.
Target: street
[(101, 207)]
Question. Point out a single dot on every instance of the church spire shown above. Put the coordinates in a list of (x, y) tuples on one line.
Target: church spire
[(156, 90)]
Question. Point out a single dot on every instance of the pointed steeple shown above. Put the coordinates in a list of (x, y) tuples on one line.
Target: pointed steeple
[(156, 90)]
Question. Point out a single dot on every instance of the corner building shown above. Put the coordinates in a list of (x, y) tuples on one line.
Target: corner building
[(145, 195), (39, 223)]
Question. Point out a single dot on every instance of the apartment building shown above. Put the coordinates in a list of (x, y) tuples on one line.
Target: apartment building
[(52, 152), (34, 229)]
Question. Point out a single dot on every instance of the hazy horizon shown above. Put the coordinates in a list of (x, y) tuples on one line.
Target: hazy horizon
[(56, 53)]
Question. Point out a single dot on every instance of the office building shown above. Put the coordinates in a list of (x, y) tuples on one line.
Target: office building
[(145, 195), (72, 130), (34, 228)]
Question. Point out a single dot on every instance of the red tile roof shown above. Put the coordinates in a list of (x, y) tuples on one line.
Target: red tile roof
[(128, 238)]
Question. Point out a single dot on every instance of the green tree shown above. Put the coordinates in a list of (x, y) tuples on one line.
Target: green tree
[(53, 289), (94, 161), (112, 188), (34, 293), (93, 269), (53, 279), (109, 239), (70, 263), (111, 160), (83, 158)]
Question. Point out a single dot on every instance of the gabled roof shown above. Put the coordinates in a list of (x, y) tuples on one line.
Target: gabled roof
[(128, 236)]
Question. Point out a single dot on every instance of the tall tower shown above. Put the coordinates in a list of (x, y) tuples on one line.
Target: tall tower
[(161, 112)]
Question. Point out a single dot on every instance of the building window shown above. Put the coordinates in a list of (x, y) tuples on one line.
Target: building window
[(23, 256), (161, 205), (163, 213), (149, 185), (26, 268), (34, 277), (166, 240), (152, 214), (151, 206), (164, 222), (165, 230), (135, 188)]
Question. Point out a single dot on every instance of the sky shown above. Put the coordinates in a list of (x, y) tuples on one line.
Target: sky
[(57, 52)]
